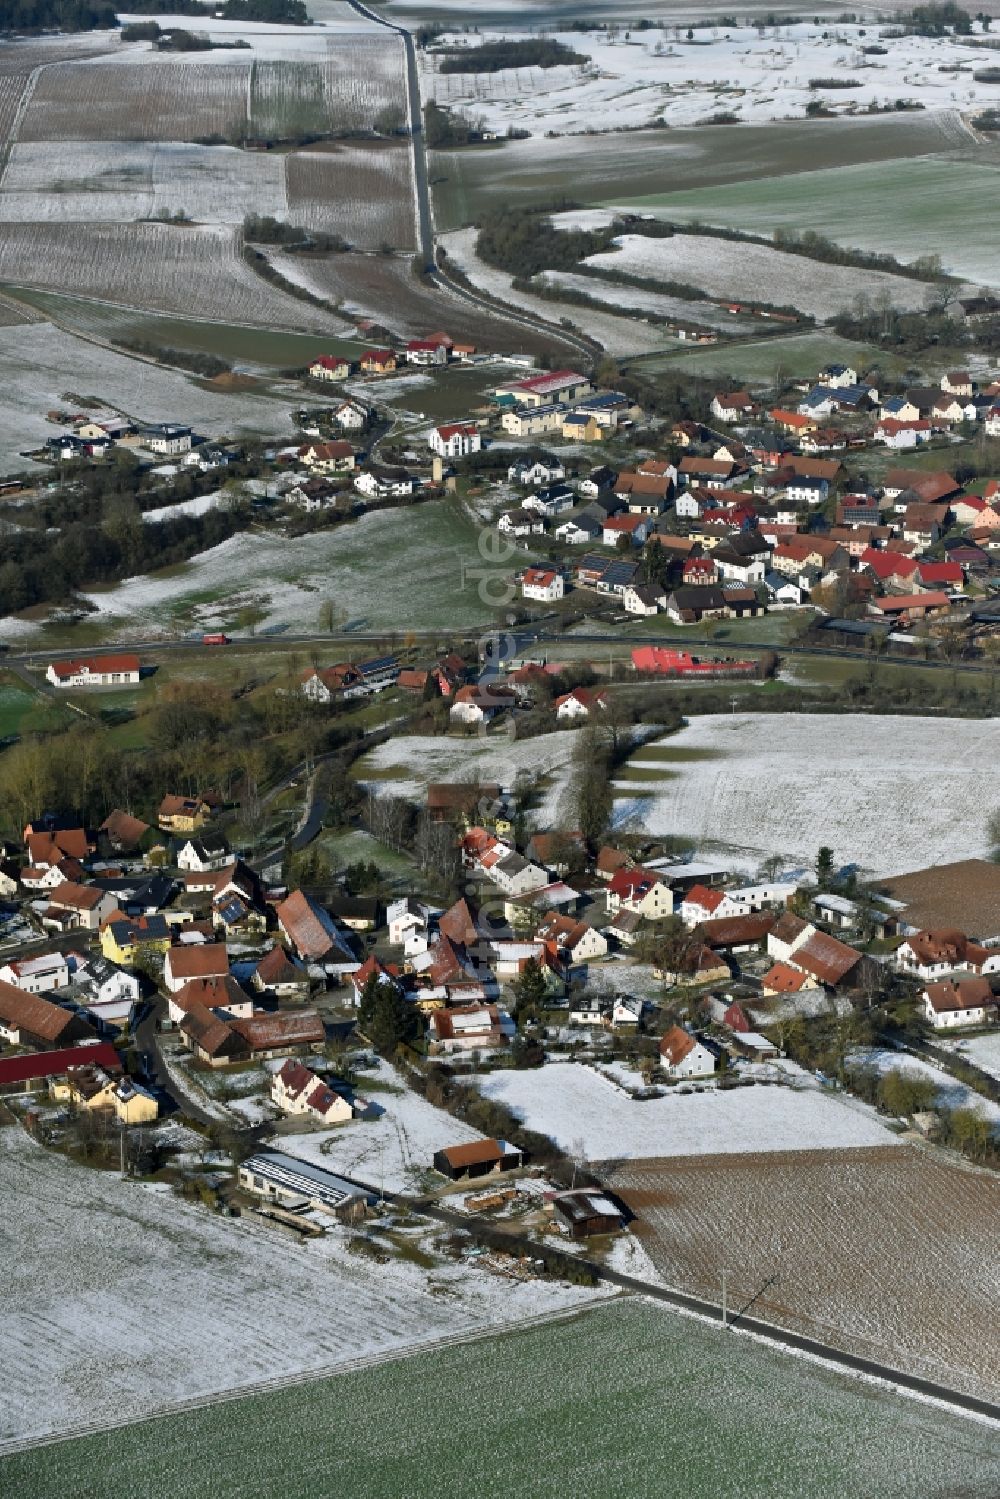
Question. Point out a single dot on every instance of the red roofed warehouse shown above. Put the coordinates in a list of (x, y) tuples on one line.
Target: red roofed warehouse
[(95, 671)]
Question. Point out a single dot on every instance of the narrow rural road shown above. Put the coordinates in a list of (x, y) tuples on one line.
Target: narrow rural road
[(424, 212)]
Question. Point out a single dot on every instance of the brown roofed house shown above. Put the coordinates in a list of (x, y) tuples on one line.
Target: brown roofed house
[(29, 1020)]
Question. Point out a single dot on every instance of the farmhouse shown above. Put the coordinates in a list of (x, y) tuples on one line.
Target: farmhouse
[(95, 671), (29, 1020), (953, 1003), (194, 960), (308, 929), (72, 905), (464, 1028)]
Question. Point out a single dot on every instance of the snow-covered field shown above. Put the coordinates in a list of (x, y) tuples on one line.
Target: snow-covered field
[(125, 180), (757, 73), (120, 1300), (395, 1151), (727, 268), (786, 784), (195, 272), (589, 1116), (982, 1051), (40, 363), (495, 759)]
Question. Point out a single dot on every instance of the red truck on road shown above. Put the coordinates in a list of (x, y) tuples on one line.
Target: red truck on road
[(215, 640)]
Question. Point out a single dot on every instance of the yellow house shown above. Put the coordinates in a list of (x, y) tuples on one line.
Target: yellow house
[(132, 1104), (580, 427), (86, 1087), (124, 937), (182, 814)]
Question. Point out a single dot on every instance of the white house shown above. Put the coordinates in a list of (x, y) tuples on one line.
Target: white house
[(295, 1089), (840, 376), (409, 925), (95, 671), (349, 417), (702, 904), (580, 703), (683, 1055), (687, 505), (539, 472), (165, 437), (455, 441), (543, 584), (37, 975), (954, 1003), (579, 941), (210, 851)]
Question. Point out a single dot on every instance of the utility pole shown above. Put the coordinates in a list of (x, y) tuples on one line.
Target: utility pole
[(725, 1309), (733, 701), (121, 1142)]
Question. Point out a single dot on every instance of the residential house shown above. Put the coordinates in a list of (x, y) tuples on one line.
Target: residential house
[(124, 833), (194, 960), (683, 1055), (543, 584), (644, 598), (297, 1090), (72, 905), (428, 351), (477, 704), (533, 421), (210, 850), (642, 891), (183, 814), (124, 938), (378, 362), (221, 994), (732, 406), (464, 1028), (457, 440), (538, 472), (384, 483), (702, 904), (566, 386), (551, 500), (336, 457), (278, 974), (166, 438), (39, 975), (575, 941), (310, 930), (521, 522), (582, 702), (330, 367)]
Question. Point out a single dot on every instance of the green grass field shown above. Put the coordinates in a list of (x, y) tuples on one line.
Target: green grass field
[(625, 1400), (762, 361), (929, 196), (25, 712)]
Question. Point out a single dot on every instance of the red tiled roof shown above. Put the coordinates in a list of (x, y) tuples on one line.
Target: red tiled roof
[(41, 1064)]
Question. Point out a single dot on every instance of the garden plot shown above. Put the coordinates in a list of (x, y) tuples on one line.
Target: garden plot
[(136, 180), (728, 268), (593, 1120), (619, 335), (754, 74), (197, 272), (40, 363), (848, 204), (885, 1253), (788, 783), (122, 101), (96, 1336), (404, 766), (364, 193)]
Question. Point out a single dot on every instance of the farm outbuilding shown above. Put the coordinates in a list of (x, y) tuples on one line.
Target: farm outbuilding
[(481, 1158), (583, 1213)]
